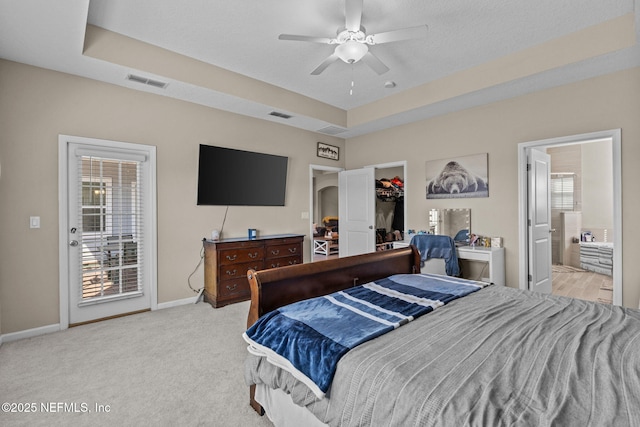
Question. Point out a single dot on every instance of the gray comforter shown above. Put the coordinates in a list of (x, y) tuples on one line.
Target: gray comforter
[(497, 357)]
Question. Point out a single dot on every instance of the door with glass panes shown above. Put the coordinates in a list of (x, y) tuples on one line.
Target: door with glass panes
[(108, 226)]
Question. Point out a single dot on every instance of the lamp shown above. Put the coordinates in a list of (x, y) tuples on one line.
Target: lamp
[(351, 51)]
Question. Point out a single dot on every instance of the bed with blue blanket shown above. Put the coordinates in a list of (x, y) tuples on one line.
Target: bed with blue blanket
[(385, 345)]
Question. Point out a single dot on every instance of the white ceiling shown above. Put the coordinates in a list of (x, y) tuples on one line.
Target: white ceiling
[(242, 36)]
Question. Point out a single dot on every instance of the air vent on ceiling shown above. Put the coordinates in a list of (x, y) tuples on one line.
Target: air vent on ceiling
[(332, 130), (281, 115), (147, 81)]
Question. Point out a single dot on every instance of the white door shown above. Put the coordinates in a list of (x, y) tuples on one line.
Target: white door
[(356, 211), (110, 230), (539, 221)]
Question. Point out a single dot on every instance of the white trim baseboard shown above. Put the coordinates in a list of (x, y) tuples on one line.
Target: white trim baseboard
[(29, 333), (42, 330), (178, 302)]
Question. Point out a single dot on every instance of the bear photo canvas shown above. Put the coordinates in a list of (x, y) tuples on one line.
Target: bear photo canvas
[(458, 177)]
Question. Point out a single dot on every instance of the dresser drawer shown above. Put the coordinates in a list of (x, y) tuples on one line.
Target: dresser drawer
[(278, 251), (243, 255), (282, 261), (233, 288), (231, 271), (227, 261)]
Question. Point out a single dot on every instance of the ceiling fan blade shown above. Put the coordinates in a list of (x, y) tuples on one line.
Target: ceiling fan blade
[(320, 68), (398, 35), (376, 65), (353, 14), (323, 40)]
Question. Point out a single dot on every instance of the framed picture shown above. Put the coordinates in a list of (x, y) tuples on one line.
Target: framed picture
[(458, 177), (328, 151)]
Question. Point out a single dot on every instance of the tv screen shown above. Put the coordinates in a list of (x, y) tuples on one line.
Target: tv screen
[(232, 177)]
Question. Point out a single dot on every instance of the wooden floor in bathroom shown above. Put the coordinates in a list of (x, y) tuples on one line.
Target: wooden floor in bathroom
[(586, 285)]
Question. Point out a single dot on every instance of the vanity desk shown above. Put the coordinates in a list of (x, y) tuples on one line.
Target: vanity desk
[(494, 257)]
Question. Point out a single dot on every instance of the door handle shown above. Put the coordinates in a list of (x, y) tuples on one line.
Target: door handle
[(73, 243), (371, 227)]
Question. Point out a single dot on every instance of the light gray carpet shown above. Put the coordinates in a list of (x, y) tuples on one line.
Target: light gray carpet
[(178, 366)]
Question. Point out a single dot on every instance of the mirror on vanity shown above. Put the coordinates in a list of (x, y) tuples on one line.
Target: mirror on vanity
[(455, 223)]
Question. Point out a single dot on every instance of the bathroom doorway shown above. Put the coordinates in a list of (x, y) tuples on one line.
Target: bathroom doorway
[(591, 211)]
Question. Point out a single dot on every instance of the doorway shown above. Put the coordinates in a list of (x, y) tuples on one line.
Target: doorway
[(107, 229), (366, 225), (388, 215), (323, 205), (610, 139)]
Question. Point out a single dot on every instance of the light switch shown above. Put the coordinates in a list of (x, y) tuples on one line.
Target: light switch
[(34, 222)]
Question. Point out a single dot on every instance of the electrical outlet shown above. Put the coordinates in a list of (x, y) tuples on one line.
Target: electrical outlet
[(305, 215), (34, 222)]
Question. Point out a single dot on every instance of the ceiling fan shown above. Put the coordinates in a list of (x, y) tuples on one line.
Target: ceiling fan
[(352, 42)]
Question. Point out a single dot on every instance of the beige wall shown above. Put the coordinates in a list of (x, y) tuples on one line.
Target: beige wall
[(597, 181), (597, 104), (37, 105)]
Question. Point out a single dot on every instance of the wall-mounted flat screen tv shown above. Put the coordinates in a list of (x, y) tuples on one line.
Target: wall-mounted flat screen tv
[(230, 177)]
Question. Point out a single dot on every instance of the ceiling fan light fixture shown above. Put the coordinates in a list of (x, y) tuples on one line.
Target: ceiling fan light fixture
[(352, 42), (351, 51)]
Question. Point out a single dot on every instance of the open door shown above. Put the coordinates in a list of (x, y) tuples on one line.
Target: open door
[(539, 221), (357, 211), (525, 244)]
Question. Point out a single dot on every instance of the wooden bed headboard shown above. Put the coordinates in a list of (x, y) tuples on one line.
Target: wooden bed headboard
[(274, 288)]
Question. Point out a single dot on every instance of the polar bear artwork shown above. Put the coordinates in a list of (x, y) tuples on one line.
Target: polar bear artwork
[(454, 180)]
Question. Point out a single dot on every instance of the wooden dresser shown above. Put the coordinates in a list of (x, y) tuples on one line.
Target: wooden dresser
[(226, 263)]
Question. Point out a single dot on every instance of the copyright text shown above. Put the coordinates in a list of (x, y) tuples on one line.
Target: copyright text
[(54, 407)]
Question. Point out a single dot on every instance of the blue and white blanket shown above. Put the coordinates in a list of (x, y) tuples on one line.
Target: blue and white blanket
[(309, 337)]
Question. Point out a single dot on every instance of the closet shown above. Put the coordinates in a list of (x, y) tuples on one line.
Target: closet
[(389, 206), (362, 212)]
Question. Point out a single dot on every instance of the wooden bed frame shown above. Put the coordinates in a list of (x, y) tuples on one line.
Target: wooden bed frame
[(277, 287)]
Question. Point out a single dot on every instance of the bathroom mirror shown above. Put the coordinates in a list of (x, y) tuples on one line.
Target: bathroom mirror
[(455, 223)]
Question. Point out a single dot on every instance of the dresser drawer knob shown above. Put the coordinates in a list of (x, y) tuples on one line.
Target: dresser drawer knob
[(275, 251), (253, 255), (293, 250), (232, 257), (232, 273), (232, 288)]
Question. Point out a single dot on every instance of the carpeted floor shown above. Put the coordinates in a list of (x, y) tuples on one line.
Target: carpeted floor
[(181, 366)]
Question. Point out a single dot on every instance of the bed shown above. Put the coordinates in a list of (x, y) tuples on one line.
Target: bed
[(498, 356)]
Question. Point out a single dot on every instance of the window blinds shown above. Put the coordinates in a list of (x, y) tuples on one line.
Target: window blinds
[(562, 191), (111, 217)]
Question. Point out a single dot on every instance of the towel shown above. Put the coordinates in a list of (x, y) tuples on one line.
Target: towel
[(437, 246)]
